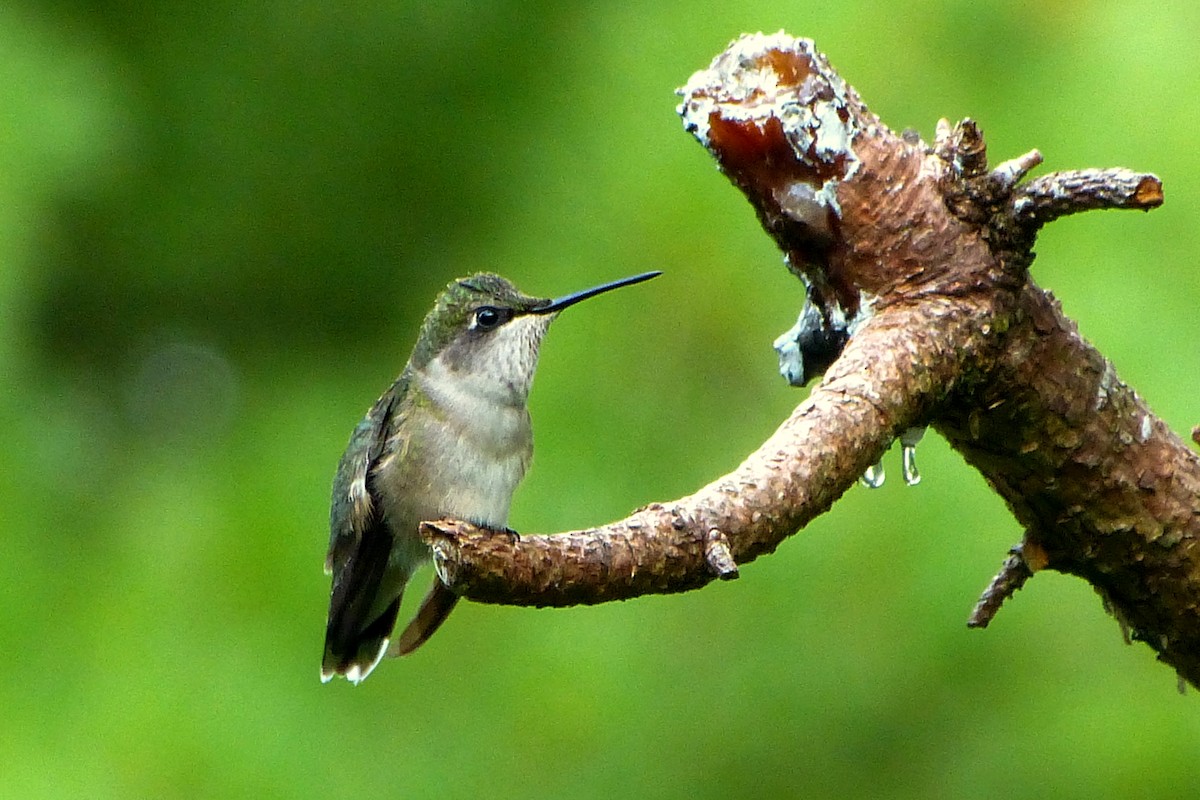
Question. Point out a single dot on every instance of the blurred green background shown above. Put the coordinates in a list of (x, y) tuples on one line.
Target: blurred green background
[(219, 229)]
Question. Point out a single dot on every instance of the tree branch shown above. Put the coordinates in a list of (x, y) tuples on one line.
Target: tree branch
[(886, 380), (916, 258)]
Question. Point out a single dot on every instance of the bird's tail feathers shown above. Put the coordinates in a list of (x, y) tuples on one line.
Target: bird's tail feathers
[(354, 655), (434, 609), (363, 605)]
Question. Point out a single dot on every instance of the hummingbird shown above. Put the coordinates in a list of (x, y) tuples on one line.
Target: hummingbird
[(451, 437)]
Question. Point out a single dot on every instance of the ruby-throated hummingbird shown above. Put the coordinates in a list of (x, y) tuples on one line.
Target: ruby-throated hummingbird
[(450, 438)]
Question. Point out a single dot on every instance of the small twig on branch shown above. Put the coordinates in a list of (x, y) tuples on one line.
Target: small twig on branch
[(1008, 173), (719, 556), (1049, 197), (1023, 561), (961, 147)]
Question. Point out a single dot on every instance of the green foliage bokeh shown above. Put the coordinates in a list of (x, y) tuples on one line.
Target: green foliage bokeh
[(219, 229)]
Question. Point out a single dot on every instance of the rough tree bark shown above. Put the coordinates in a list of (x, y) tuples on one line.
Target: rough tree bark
[(919, 255)]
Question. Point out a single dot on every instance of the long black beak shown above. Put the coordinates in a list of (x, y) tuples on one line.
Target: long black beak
[(559, 303)]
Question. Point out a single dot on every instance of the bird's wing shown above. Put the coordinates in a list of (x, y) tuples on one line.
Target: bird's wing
[(360, 545), (353, 508)]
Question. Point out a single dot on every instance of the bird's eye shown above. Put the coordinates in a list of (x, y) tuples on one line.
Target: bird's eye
[(487, 318)]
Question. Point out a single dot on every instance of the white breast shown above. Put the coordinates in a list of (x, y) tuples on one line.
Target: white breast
[(474, 448)]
